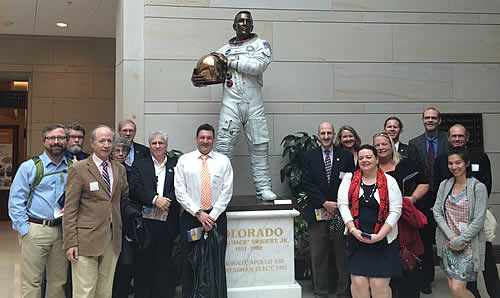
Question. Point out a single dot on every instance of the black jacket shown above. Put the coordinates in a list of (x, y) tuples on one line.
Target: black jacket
[(314, 178), (140, 151), (142, 187)]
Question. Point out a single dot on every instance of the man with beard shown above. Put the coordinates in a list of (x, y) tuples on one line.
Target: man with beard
[(31, 209), (424, 150), (74, 148)]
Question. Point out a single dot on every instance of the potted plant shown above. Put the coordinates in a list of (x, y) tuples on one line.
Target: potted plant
[(293, 147)]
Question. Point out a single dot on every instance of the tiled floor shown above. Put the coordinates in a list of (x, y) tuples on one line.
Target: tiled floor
[(10, 261)]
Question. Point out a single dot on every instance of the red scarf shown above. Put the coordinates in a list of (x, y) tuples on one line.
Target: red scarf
[(383, 192)]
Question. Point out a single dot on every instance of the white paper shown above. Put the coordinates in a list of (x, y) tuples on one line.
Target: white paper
[(475, 167), (341, 175), (94, 186)]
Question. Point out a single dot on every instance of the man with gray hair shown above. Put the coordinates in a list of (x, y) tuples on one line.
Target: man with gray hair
[(152, 186)]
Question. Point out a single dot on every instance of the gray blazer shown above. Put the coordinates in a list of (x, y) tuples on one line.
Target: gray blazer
[(478, 196), (417, 148)]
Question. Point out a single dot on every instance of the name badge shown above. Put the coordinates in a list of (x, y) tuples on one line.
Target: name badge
[(94, 186), (194, 234), (341, 175), (475, 167)]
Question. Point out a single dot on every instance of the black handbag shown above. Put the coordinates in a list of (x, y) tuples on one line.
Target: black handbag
[(336, 227)]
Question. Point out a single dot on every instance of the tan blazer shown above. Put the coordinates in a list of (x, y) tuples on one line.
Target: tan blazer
[(88, 214)]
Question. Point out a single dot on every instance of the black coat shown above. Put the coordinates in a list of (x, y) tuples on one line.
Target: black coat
[(142, 187), (140, 151), (403, 150), (314, 178)]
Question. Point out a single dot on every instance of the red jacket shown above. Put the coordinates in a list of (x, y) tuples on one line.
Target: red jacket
[(409, 223)]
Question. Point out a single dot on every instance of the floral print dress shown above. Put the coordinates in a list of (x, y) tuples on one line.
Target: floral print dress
[(458, 264)]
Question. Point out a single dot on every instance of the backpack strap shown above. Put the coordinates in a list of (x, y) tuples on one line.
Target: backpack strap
[(39, 175)]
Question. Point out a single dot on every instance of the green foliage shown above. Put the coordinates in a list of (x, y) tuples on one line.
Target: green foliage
[(293, 147)]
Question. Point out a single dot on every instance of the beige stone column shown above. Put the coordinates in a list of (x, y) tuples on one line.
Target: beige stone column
[(129, 102)]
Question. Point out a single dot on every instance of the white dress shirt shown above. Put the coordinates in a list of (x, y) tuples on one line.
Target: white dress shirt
[(397, 146), (160, 171), (395, 203), (187, 182), (99, 163)]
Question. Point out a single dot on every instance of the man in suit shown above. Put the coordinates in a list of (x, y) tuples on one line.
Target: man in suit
[(393, 127), (424, 150), (480, 168), (74, 147), (152, 186), (324, 168), (127, 129), (92, 228)]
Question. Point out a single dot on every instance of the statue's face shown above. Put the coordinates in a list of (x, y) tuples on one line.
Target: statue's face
[(243, 25)]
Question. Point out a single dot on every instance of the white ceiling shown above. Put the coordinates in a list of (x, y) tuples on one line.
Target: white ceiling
[(92, 18)]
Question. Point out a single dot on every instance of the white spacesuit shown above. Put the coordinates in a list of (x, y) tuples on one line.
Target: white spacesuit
[(243, 107)]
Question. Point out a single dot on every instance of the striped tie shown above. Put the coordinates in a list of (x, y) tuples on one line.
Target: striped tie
[(206, 192), (328, 165), (105, 176)]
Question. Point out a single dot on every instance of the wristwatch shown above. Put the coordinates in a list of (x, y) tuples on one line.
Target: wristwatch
[(198, 213)]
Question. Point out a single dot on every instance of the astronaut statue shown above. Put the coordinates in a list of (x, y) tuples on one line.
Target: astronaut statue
[(247, 57)]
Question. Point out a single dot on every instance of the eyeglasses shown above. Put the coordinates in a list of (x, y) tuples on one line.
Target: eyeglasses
[(53, 138), (73, 137)]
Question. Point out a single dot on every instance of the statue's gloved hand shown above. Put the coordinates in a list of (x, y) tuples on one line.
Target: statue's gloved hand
[(197, 79)]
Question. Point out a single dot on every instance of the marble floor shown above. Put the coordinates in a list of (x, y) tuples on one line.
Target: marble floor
[(10, 260)]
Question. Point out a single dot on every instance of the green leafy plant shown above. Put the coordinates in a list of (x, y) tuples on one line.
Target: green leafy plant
[(293, 147)]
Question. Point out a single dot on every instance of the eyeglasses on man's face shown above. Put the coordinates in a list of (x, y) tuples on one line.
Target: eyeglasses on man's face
[(53, 138)]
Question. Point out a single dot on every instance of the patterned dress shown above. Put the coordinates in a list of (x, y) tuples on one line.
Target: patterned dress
[(458, 264)]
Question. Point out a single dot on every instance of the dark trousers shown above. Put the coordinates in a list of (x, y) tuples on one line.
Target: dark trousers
[(322, 249), (125, 270), (153, 274), (187, 222), (428, 235), (490, 275)]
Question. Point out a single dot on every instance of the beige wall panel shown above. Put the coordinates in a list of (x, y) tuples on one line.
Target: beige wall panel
[(171, 80), (164, 40), (119, 101), (393, 82), (285, 81), (495, 160), (486, 6), (323, 16), (332, 42), (476, 82), (102, 52), (70, 52), (16, 68), (42, 110), (61, 68), (494, 199), (23, 50), (131, 90), (446, 43), (421, 18), (273, 4), (46, 84), (204, 3), (130, 30), (490, 130), (490, 19), (102, 83)]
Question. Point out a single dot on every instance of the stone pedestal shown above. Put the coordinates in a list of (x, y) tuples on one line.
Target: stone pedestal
[(260, 250)]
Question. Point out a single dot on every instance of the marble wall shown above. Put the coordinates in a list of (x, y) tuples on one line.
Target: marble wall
[(348, 62), (71, 79)]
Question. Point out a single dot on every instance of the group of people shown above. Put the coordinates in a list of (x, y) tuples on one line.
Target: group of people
[(396, 201), (93, 222)]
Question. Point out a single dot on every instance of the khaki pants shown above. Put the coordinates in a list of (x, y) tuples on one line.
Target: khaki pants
[(42, 248), (93, 276)]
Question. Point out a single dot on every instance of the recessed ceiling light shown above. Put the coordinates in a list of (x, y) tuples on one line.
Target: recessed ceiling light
[(61, 24)]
